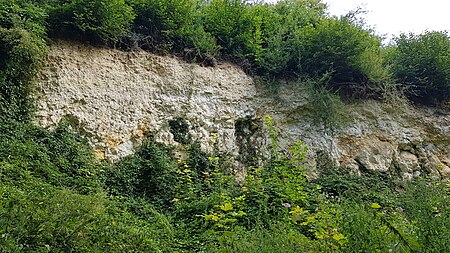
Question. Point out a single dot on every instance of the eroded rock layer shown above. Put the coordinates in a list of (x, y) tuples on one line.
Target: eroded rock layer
[(116, 98)]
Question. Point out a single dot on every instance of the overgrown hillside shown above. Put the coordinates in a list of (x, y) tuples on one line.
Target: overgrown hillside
[(55, 196)]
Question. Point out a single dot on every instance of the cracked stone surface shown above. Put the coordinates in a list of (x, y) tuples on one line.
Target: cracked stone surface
[(115, 98)]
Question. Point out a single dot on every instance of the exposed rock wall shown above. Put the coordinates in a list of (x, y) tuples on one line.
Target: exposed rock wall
[(114, 98)]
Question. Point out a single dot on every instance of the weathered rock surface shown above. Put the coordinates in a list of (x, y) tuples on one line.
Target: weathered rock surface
[(114, 98)]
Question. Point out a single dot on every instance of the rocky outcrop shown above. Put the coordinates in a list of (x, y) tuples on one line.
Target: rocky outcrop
[(115, 98)]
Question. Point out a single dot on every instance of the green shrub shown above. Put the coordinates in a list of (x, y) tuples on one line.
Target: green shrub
[(281, 181), (200, 182), (366, 188), (414, 220), (297, 38), (285, 27), (175, 26), (235, 26), (380, 213), (206, 188), (276, 238), (344, 49), (51, 200), (161, 19), (97, 21), (227, 205), (147, 174), (44, 219), (22, 52), (21, 48), (23, 14), (375, 228), (326, 107), (426, 205), (197, 45), (422, 63), (59, 158)]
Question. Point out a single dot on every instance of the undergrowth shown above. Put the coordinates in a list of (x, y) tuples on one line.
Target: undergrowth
[(56, 197)]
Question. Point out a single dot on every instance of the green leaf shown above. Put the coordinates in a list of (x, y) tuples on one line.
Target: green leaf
[(226, 207), (375, 206), (338, 237)]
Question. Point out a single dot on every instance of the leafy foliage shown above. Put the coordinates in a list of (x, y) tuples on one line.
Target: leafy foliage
[(21, 48), (426, 205), (147, 174), (282, 181), (340, 47), (161, 20), (53, 199), (286, 27), (422, 63), (327, 108), (276, 238), (98, 21), (44, 219), (169, 25), (290, 38), (59, 158), (235, 26)]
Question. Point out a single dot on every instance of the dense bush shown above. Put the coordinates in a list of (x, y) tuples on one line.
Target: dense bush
[(59, 158), (159, 21), (22, 14), (235, 26), (285, 28), (52, 200), (383, 214), (97, 21), (298, 39), (45, 219), (148, 174), (276, 238), (289, 38), (340, 47), (21, 48), (427, 204), (422, 63), (174, 26)]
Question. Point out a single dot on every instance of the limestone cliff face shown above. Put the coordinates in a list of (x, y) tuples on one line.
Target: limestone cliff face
[(114, 98)]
